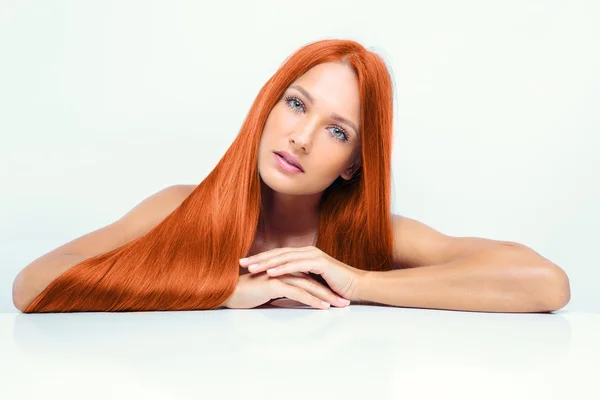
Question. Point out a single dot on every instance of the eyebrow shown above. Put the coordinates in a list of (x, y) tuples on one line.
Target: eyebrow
[(335, 116)]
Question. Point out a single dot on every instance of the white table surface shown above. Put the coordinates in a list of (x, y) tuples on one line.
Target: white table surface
[(359, 352)]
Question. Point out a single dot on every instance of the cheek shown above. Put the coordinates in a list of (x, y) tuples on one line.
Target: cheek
[(274, 123), (283, 116), (331, 166)]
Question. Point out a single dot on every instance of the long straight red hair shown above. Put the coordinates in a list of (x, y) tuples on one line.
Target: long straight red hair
[(190, 260)]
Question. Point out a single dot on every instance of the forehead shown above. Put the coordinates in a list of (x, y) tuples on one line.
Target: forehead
[(334, 87)]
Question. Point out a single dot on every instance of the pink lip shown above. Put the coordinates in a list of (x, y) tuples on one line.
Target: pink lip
[(290, 159), (285, 165)]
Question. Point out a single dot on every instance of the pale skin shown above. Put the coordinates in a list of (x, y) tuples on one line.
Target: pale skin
[(305, 123), (488, 275), (327, 149), (299, 126), (461, 273)]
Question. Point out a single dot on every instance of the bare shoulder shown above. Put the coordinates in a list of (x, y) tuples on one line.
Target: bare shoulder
[(177, 193), (157, 207), (161, 203), (186, 190), (138, 221)]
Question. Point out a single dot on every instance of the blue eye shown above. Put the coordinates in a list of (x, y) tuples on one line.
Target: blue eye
[(290, 100)]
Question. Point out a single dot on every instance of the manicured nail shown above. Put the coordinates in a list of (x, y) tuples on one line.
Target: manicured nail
[(252, 267), (243, 260)]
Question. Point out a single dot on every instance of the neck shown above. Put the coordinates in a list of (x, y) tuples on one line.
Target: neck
[(289, 218)]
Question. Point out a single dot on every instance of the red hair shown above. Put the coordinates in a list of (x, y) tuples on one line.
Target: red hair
[(190, 260)]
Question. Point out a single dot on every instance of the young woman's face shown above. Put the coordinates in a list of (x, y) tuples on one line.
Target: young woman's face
[(325, 146)]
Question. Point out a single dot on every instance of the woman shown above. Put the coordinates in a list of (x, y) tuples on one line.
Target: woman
[(328, 110)]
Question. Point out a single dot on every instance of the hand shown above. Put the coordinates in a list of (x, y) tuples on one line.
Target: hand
[(341, 278), (254, 290)]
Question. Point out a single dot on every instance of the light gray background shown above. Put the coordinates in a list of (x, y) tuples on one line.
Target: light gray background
[(103, 103)]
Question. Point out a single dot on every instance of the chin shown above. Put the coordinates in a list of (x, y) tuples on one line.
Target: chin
[(277, 185)]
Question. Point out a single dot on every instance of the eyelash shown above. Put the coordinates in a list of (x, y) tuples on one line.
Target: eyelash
[(343, 131)]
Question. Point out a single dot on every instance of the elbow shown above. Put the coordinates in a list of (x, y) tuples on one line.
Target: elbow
[(557, 293), (20, 300), (19, 304), (549, 281), (564, 288)]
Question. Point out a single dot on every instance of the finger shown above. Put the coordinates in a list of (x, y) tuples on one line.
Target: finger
[(267, 255), (260, 265), (316, 289), (281, 288), (299, 274), (307, 265), (262, 256)]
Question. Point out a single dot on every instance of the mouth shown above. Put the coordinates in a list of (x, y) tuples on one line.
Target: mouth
[(285, 164)]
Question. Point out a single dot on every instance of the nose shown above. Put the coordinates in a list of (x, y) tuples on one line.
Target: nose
[(305, 133)]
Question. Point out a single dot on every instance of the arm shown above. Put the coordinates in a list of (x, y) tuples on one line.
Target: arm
[(28, 283), (494, 279), (35, 277)]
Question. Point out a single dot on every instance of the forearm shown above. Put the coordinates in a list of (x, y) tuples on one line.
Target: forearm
[(502, 279)]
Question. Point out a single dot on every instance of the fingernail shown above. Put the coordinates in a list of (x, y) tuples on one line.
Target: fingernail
[(243, 260), (345, 301), (252, 267), (326, 304)]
